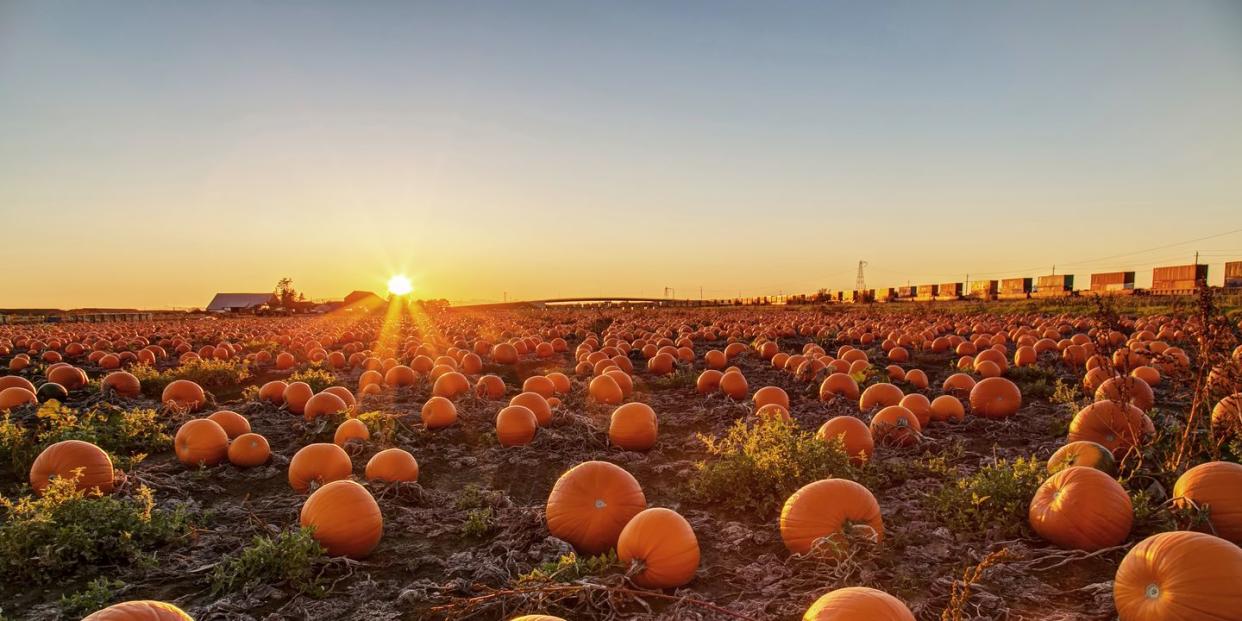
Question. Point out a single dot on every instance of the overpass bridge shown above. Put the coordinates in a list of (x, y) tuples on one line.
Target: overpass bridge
[(600, 301)]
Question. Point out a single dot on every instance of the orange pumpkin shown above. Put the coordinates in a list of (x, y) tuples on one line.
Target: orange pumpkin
[(769, 395), (537, 404), (139, 610), (664, 545), (87, 464), (400, 375), (1215, 486), (122, 383), (16, 381), (540, 385), (1127, 389), (734, 385), (947, 408), (439, 412), (895, 426), (318, 463), (919, 406), (854, 435), (879, 395), (1117, 426), (273, 392), (201, 442), (604, 389), (708, 381), (838, 385), (68, 376), (633, 427), (823, 510), (591, 503), (324, 404), (516, 426), (995, 397), (1179, 576), (858, 604), (231, 422), (345, 519), (16, 397), (451, 385), (183, 395), (392, 465), (1081, 508), (351, 429), (249, 450)]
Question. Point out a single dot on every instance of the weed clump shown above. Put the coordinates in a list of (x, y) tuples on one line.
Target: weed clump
[(48, 537), (205, 373), (571, 568), (315, 377), (996, 496), (288, 558), (756, 467)]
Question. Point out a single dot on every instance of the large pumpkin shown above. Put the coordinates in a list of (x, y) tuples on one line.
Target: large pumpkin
[(16, 396), (122, 383), (1180, 576), (633, 427), (318, 463), (296, 395), (392, 465), (87, 464), (516, 426), (895, 426), (324, 404), (249, 450), (351, 429), (537, 404), (139, 610), (591, 503), (664, 543), (184, 395), (826, 510), (854, 435), (838, 385), (1116, 426), (858, 604), (879, 395), (234, 424), (201, 441), (995, 397), (1081, 508), (439, 412), (1217, 488), (345, 518)]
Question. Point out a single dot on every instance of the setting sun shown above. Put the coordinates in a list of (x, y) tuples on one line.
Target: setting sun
[(399, 285)]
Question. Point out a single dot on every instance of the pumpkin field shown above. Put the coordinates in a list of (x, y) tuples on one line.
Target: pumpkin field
[(871, 462)]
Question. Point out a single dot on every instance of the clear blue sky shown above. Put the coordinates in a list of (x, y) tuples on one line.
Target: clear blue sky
[(152, 153)]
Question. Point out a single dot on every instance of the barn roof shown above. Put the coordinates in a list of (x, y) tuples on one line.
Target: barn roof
[(226, 301)]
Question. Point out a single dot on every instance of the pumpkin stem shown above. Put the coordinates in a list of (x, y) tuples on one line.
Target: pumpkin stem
[(637, 566)]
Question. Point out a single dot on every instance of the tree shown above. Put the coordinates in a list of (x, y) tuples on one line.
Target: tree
[(286, 296)]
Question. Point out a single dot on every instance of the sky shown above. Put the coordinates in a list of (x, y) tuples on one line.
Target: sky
[(154, 153)]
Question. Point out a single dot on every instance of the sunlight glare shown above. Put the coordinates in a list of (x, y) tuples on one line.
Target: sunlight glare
[(399, 285)]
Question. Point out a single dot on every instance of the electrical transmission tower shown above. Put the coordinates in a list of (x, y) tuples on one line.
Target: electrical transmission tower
[(861, 283)]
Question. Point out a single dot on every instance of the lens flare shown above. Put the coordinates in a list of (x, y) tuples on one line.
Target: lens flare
[(399, 285)]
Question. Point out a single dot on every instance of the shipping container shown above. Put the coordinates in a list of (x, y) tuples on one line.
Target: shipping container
[(1112, 281), (1178, 279), (1015, 285), (927, 292), (888, 294), (949, 290), (1233, 275), (908, 291), (984, 289), (1179, 272)]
